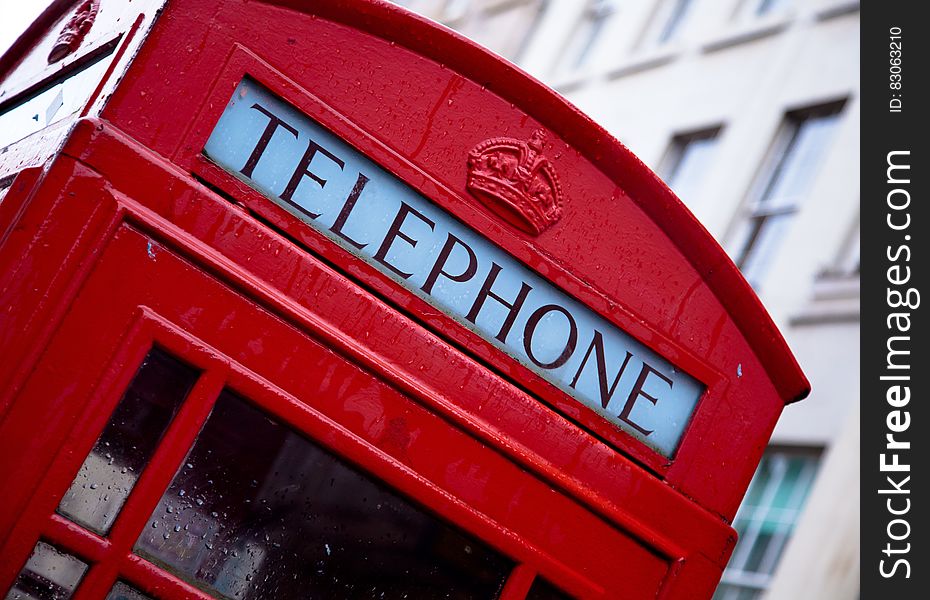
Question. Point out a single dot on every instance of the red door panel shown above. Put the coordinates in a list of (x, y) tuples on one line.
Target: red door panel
[(142, 293)]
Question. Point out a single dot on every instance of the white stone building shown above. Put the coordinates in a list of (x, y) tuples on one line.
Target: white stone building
[(749, 109)]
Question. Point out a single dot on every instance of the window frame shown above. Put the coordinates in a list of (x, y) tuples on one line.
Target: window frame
[(668, 20), (111, 557), (467, 15), (761, 9), (735, 578), (592, 23), (678, 145), (763, 208)]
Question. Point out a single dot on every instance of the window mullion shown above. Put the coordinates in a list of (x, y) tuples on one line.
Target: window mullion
[(797, 496), (147, 576), (756, 225), (154, 479), (785, 149), (166, 460), (74, 538), (758, 513)]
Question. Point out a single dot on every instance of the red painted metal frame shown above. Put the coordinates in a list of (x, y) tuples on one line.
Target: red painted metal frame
[(110, 556)]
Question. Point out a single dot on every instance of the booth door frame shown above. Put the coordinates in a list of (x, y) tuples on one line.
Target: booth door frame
[(111, 557), (90, 357)]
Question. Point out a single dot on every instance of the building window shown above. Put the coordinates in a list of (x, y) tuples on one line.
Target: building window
[(765, 521), (848, 260), (588, 34), (504, 26), (765, 7), (669, 20), (784, 181), (687, 161), (455, 9)]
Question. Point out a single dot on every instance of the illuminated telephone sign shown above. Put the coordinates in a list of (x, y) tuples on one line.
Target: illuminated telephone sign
[(340, 288), (332, 187)]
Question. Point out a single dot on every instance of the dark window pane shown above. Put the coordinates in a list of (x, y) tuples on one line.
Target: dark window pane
[(543, 590), (735, 592), (128, 441), (674, 20), (785, 181), (258, 511), (48, 575), (122, 591)]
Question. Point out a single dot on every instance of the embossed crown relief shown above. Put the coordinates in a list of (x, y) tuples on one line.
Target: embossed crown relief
[(75, 30), (516, 181)]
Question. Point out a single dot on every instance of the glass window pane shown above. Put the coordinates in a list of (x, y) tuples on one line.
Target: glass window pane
[(587, 34), (122, 591), (503, 27), (55, 102), (775, 547), (757, 487), (794, 163), (732, 592), (799, 163), (674, 20), (769, 233), (757, 551), (127, 443), (258, 511), (765, 521), (689, 159), (48, 575), (784, 496), (766, 6), (543, 590)]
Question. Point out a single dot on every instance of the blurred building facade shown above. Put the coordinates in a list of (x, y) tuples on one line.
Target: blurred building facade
[(749, 110)]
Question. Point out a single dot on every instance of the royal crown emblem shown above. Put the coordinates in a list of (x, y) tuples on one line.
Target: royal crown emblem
[(516, 181)]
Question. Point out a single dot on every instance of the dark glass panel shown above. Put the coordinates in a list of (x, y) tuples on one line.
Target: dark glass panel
[(122, 591), (258, 511), (127, 443), (49, 574), (543, 590)]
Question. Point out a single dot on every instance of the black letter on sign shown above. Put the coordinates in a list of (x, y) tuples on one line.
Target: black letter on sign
[(483, 294), (436, 271), (347, 210), (597, 345), (638, 391), (395, 232), (262, 144), (530, 329), (301, 171)]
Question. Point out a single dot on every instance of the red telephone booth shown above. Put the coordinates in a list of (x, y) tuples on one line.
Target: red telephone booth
[(319, 299)]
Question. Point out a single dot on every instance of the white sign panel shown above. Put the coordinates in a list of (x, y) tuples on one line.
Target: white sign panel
[(329, 185)]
